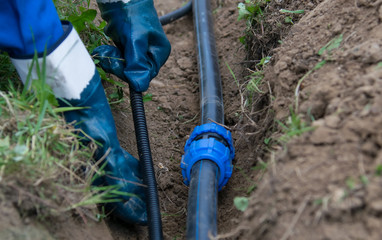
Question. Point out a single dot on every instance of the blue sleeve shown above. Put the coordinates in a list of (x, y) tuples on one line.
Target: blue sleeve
[(27, 25)]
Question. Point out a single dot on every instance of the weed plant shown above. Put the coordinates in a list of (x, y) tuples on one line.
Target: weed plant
[(252, 11), (83, 19), (294, 126), (255, 82), (44, 167), (41, 157)]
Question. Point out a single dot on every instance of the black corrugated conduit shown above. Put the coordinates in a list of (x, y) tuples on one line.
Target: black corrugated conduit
[(144, 152)]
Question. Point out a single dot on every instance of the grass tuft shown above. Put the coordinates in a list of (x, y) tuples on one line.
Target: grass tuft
[(294, 126), (44, 168)]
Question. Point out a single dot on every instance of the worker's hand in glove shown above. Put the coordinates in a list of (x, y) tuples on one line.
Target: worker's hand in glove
[(142, 44)]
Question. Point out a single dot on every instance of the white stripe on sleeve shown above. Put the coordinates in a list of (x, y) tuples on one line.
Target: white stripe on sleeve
[(69, 68)]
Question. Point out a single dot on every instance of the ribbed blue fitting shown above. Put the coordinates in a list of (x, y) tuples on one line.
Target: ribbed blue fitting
[(209, 149)]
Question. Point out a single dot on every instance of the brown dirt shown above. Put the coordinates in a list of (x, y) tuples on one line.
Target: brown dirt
[(321, 185), (315, 186)]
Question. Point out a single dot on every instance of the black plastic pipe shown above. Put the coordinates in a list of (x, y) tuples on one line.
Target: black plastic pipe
[(202, 201), (175, 15), (144, 152), (211, 98)]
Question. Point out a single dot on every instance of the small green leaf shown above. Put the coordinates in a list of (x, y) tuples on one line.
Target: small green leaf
[(350, 183), (319, 65), (378, 170), (85, 17), (19, 151), (241, 203), (331, 45), (364, 179), (243, 12), (293, 12), (147, 97), (318, 201), (103, 76), (251, 188), (264, 61), (114, 95), (4, 142), (288, 20), (242, 40), (66, 109), (102, 25)]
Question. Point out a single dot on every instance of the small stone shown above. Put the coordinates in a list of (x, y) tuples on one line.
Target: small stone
[(280, 65), (318, 123), (376, 206), (323, 135), (185, 63), (332, 121), (337, 28), (156, 83)]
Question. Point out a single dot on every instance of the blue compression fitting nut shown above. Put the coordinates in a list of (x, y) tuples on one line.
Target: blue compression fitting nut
[(209, 149)]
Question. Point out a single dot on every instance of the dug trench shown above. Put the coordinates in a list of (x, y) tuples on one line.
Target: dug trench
[(173, 112), (325, 181)]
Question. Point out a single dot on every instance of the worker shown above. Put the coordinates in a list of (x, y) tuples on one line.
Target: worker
[(28, 26)]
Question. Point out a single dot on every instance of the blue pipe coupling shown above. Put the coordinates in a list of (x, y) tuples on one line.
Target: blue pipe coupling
[(212, 142)]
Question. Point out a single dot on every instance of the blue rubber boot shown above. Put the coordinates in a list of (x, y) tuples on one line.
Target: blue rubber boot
[(122, 169), (73, 77)]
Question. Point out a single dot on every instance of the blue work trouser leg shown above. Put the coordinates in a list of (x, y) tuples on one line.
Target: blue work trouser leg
[(28, 25)]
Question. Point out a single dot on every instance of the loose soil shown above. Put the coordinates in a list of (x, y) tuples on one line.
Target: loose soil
[(324, 184)]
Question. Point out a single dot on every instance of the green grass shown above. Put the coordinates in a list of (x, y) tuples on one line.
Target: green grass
[(378, 170), (42, 158), (255, 81), (294, 126), (290, 14)]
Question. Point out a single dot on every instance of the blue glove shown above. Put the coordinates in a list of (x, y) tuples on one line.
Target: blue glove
[(136, 31)]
